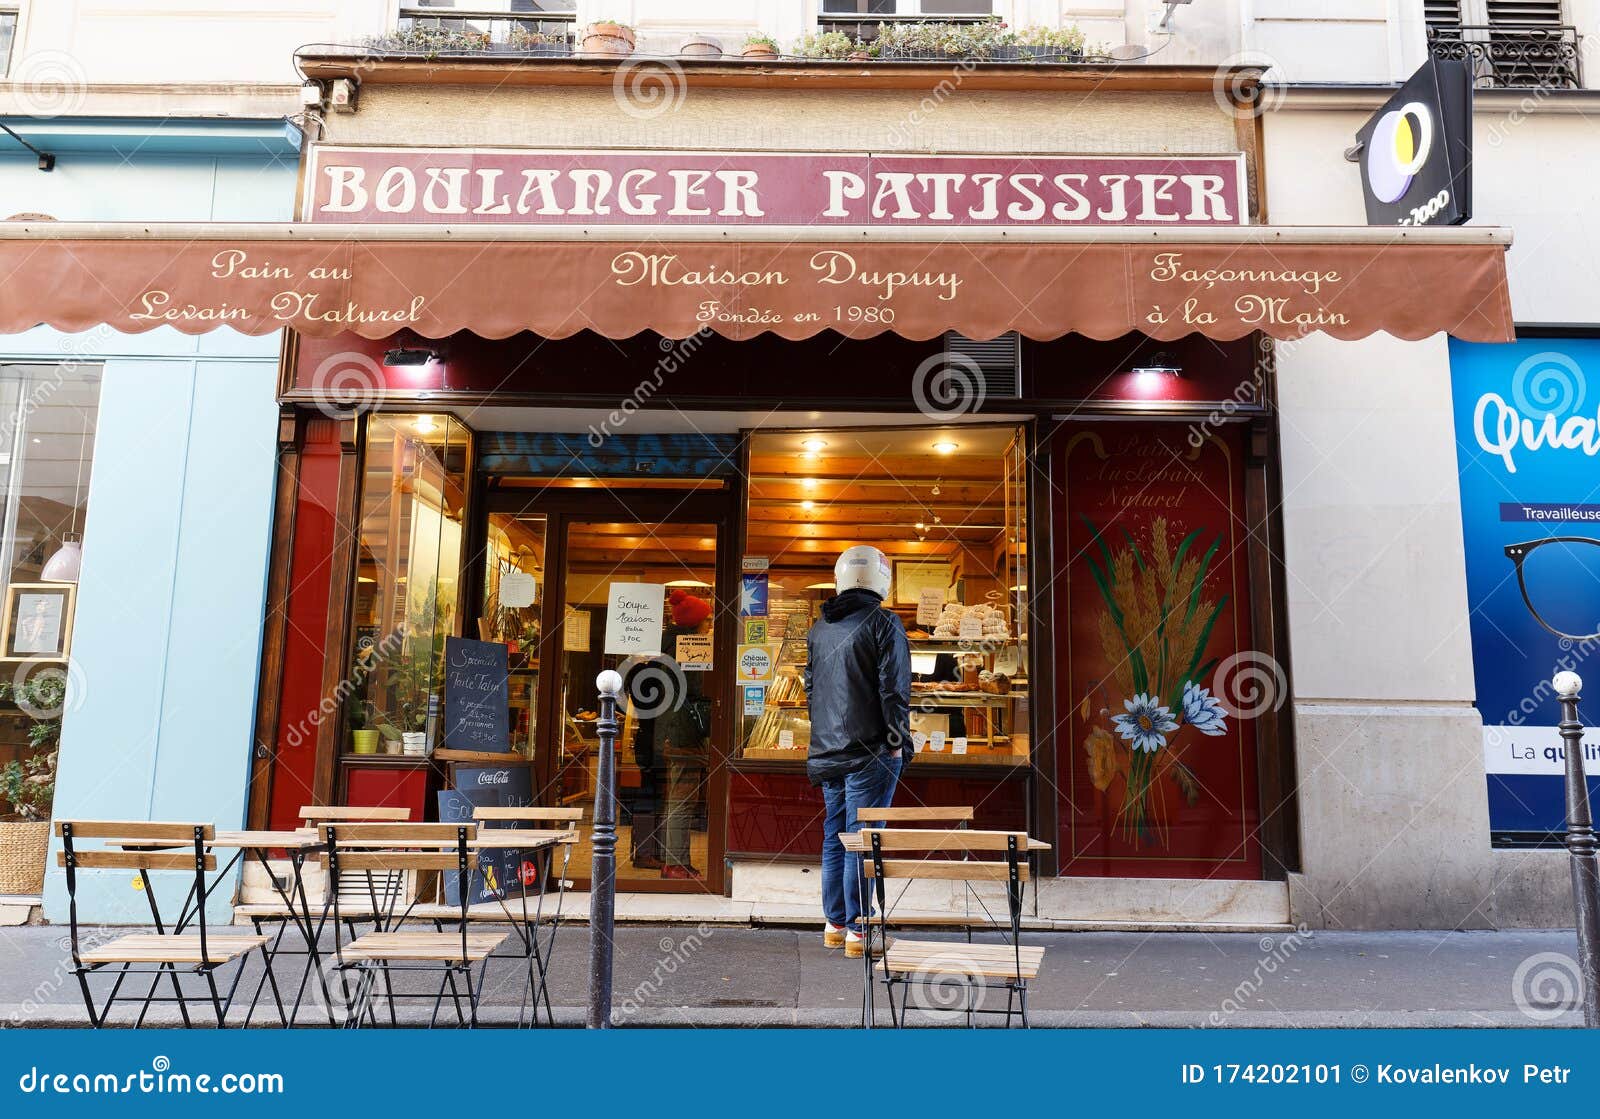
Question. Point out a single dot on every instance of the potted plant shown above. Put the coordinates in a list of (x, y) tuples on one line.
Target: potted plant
[(760, 47), (828, 44), (430, 41), (28, 786), (701, 46), (607, 36), (525, 41), (1050, 44)]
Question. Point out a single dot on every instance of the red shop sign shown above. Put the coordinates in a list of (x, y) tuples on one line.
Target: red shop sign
[(524, 187)]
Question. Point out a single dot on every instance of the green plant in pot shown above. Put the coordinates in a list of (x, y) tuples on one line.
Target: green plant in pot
[(28, 785)]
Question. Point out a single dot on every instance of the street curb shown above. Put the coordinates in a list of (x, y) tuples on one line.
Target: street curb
[(57, 1017)]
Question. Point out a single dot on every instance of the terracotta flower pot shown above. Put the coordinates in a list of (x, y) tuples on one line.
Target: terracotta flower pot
[(24, 845), (700, 46), (760, 51), (608, 38)]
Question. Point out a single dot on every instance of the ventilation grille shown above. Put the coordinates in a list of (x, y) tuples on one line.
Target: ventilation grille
[(999, 362)]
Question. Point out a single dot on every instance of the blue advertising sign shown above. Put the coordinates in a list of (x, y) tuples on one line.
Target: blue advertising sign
[(1527, 422)]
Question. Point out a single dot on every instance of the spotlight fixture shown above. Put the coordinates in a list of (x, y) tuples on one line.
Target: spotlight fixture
[(813, 445), (410, 355), (424, 425), (946, 447), (808, 505), (1159, 364)]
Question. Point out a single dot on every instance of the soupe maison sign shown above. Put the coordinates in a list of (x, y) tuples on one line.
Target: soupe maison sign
[(524, 187)]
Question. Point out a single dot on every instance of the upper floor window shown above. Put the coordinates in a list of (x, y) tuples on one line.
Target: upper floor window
[(8, 37), (1508, 43), (887, 8), (523, 23)]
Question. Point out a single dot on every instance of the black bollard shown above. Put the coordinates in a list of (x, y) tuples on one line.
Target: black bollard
[(603, 877), (1581, 848)]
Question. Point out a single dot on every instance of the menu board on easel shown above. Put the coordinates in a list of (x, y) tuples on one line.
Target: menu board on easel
[(477, 695)]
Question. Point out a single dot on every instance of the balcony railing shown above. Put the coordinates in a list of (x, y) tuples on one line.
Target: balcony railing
[(1513, 57), (457, 30)]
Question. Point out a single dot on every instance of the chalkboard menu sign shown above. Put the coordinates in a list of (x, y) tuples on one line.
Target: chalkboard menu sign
[(477, 695)]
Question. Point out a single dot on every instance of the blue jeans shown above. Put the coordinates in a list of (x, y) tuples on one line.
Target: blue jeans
[(869, 787)]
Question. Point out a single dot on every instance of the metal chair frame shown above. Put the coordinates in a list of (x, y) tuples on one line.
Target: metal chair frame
[(193, 905)]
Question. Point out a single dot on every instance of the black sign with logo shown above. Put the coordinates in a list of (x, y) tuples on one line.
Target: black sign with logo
[(1416, 151)]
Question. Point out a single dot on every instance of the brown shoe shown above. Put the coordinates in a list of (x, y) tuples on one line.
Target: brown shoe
[(854, 947), (832, 935)]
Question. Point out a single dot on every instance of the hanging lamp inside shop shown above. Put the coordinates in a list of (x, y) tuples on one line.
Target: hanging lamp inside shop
[(67, 562)]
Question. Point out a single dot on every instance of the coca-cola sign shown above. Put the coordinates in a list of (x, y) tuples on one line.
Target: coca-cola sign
[(520, 186)]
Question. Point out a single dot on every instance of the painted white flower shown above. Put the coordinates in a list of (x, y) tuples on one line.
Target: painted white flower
[(1203, 711), (1146, 724)]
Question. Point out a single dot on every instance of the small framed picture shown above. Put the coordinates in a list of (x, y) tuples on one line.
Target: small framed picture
[(38, 621), (911, 577)]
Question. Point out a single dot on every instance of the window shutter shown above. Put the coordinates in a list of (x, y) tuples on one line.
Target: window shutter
[(1524, 13), (1441, 13)]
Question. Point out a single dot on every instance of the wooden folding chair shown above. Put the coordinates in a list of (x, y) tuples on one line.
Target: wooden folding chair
[(969, 968), (279, 915), (948, 816), (361, 849), (144, 846), (526, 923)]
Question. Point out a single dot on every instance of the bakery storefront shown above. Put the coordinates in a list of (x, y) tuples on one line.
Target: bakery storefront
[(602, 409)]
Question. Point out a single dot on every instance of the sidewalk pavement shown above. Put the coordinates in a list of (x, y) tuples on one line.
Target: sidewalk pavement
[(706, 975)]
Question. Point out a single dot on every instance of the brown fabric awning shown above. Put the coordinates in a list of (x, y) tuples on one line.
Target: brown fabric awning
[(436, 280)]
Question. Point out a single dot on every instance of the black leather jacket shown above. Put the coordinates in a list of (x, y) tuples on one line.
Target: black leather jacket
[(858, 683)]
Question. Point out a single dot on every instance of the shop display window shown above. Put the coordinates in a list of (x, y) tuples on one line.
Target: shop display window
[(48, 415), (948, 507), (413, 493)]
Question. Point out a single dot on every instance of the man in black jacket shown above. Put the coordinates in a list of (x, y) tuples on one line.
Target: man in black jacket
[(858, 683)]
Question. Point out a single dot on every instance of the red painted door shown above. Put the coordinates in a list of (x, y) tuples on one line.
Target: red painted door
[(1157, 685), (301, 707)]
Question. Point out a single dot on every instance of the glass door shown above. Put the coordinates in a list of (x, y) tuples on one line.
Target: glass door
[(641, 598), (551, 563)]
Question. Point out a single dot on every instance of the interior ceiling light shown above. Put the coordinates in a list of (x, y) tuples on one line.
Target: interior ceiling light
[(819, 586), (809, 483), (687, 583), (813, 445), (424, 424), (808, 505), (946, 447)]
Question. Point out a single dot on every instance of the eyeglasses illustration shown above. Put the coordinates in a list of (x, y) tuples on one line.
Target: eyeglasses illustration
[(1551, 583)]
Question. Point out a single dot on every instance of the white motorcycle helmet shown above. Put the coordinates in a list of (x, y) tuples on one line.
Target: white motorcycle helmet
[(862, 566)]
